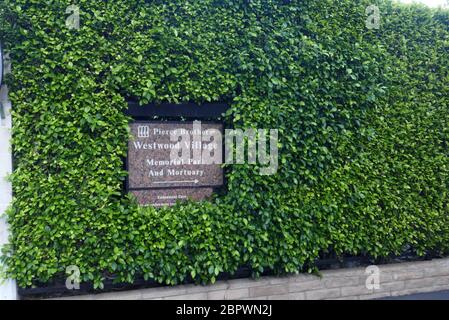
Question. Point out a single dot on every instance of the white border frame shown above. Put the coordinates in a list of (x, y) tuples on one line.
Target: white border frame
[(8, 288)]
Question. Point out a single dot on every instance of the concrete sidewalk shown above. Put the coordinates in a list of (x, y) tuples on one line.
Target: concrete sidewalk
[(438, 295)]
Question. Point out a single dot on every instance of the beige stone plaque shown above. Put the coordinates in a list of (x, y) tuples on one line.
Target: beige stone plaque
[(174, 161)]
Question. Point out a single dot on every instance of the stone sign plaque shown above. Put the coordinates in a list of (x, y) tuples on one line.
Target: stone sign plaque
[(174, 161)]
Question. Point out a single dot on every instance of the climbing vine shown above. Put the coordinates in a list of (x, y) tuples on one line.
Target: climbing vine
[(361, 113)]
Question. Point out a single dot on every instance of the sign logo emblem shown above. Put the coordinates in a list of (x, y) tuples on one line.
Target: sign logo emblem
[(143, 131)]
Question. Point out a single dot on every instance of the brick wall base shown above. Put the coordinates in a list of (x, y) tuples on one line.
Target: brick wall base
[(342, 284)]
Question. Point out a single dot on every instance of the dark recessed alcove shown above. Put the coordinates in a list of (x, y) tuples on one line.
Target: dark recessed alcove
[(172, 110)]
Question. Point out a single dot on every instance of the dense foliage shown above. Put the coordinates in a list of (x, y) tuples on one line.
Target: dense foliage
[(363, 128)]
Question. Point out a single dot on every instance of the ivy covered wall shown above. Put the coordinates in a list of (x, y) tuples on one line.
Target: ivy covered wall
[(363, 128)]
